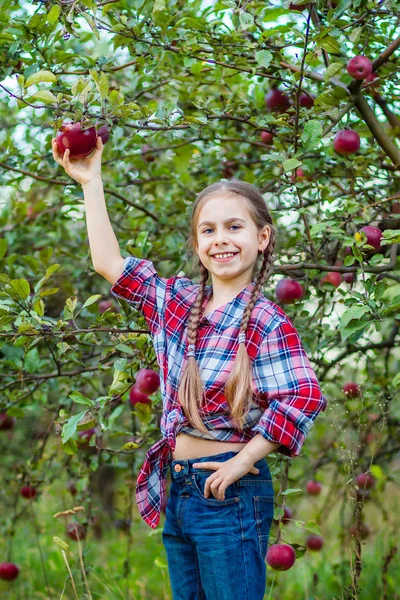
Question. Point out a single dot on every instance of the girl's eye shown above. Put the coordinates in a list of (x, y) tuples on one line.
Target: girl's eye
[(205, 231)]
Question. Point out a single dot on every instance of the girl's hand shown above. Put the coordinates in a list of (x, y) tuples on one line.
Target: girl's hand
[(225, 473), (83, 170)]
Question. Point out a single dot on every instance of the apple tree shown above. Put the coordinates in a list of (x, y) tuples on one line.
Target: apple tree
[(298, 98)]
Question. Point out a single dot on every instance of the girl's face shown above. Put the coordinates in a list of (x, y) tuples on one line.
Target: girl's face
[(225, 226)]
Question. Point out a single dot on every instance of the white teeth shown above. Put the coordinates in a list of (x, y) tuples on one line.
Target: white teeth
[(223, 255)]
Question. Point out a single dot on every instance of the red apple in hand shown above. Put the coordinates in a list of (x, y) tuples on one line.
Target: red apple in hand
[(8, 571), (276, 100), (346, 141), (359, 67), (280, 557), (288, 290), (147, 381), (81, 142)]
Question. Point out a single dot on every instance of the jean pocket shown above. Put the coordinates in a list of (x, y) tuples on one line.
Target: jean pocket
[(263, 515), (199, 481)]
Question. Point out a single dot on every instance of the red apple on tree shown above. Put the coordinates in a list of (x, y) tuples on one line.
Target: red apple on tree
[(368, 82), (351, 389), (267, 137), (229, 168), (137, 397), (359, 67), (298, 7), (314, 542), (81, 142), (147, 381), (276, 100), (365, 481), (28, 491), (84, 438), (146, 154), (104, 133), (71, 487), (373, 235), (75, 531), (313, 487), (306, 100), (288, 291), (333, 277), (6, 422), (346, 141), (349, 277), (287, 515), (8, 571), (280, 557)]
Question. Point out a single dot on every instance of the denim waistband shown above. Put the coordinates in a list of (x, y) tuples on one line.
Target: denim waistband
[(186, 466)]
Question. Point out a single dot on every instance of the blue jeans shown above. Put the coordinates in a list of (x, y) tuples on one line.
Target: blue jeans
[(216, 548)]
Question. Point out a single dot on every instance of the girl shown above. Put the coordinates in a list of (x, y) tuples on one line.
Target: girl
[(236, 385)]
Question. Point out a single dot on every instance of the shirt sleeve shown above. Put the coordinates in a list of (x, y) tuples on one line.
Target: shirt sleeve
[(142, 287), (283, 372)]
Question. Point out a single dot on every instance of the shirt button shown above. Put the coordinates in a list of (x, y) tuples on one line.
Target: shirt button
[(178, 468)]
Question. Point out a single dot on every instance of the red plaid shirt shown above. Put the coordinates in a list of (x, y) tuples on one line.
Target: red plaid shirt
[(287, 396)]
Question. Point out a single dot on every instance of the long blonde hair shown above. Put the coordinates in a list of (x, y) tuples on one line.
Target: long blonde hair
[(238, 389)]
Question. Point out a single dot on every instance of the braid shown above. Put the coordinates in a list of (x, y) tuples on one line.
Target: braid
[(238, 388), (265, 271)]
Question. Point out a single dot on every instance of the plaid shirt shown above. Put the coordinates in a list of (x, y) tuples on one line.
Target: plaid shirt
[(287, 396)]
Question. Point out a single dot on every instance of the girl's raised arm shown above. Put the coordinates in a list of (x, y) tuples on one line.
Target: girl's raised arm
[(104, 247)]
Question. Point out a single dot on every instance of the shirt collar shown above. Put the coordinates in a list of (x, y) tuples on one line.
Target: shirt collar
[(226, 315)]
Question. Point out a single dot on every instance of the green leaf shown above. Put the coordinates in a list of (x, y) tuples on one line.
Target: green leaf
[(332, 70), (264, 57), (313, 527), (70, 426), (52, 16), (78, 398), (246, 20), (130, 446), (70, 447), (32, 361), (3, 247), (159, 5), (20, 287), (91, 300), (311, 135), (330, 44), (396, 381), (40, 77), (390, 236), (291, 491), (356, 312), (290, 164), (48, 273)]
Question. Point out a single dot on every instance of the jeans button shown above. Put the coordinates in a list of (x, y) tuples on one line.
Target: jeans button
[(178, 468)]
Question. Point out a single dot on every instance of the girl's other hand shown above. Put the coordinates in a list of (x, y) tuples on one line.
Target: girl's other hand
[(83, 170)]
